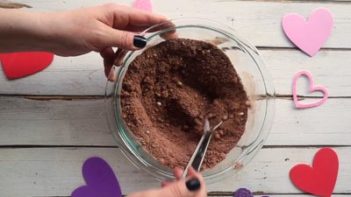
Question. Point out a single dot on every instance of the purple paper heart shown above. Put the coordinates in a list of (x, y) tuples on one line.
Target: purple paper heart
[(100, 180), (243, 192)]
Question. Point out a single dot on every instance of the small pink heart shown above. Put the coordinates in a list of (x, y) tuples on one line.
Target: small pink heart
[(309, 35), (312, 88), (143, 5)]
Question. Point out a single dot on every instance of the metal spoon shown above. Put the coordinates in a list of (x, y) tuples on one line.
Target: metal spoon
[(200, 152)]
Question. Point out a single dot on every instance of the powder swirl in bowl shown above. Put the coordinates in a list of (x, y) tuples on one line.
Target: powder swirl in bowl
[(170, 88)]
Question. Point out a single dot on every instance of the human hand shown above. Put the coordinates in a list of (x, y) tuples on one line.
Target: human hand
[(101, 28), (193, 186), (98, 29), (76, 32)]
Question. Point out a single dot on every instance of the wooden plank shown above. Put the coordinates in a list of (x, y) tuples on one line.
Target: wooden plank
[(261, 25), (53, 122), (258, 21), (84, 75), (327, 124), (83, 123), (66, 76), (12, 5), (328, 68), (57, 171)]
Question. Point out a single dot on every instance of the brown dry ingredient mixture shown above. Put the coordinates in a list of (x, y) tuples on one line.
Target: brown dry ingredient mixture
[(169, 90)]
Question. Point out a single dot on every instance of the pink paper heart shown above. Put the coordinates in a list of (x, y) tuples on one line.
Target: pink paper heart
[(309, 35), (312, 88), (143, 5)]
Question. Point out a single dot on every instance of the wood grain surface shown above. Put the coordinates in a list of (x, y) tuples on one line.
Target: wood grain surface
[(52, 121)]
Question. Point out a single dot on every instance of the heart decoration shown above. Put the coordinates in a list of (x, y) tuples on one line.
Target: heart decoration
[(320, 178), (143, 5), (100, 180), (312, 88), (22, 64), (244, 192), (309, 35)]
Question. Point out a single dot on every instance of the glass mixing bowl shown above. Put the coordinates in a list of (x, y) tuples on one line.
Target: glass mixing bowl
[(250, 69)]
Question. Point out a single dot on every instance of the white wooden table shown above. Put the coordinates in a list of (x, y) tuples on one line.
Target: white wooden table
[(51, 122)]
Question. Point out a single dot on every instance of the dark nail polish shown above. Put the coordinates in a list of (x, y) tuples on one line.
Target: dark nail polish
[(193, 184), (139, 41)]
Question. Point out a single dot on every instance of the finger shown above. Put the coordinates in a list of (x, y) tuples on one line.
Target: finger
[(112, 75), (107, 53), (168, 28), (166, 183), (193, 173), (124, 39), (136, 17), (169, 35), (181, 188), (203, 190), (178, 172), (135, 28), (109, 57), (119, 56)]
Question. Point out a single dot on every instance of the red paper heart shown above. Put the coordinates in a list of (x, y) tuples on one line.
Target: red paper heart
[(18, 65), (319, 179)]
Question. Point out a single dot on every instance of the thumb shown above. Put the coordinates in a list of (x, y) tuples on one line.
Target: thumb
[(181, 188), (125, 40)]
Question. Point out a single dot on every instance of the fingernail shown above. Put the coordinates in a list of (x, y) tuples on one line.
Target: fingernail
[(139, 41), (193, 184)]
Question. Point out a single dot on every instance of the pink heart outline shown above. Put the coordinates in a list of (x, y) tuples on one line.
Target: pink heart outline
[(312, 88), (309, 35)]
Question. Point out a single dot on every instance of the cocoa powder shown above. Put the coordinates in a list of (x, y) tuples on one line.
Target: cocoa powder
[(169, 90)]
